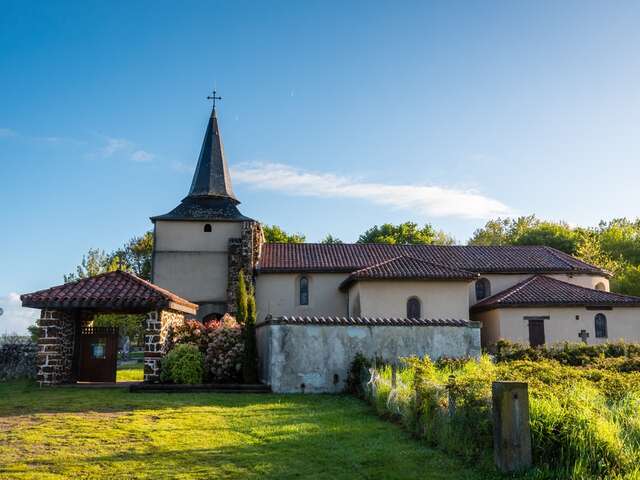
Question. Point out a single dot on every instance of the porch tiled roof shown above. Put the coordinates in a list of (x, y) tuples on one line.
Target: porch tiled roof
[(313, 257), (112, 291), (407, 268), (367, 321), (540, 290)]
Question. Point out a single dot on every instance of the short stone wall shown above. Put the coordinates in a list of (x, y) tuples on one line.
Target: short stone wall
[(18, 360), (316, 357)]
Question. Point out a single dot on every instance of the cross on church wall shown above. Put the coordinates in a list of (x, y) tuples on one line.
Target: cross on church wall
[(583, 335)]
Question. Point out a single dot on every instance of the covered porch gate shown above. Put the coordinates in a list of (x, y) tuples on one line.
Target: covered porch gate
[(71, 349)]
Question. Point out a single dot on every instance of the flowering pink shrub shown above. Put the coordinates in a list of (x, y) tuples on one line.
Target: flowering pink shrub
[(225, 348), (192, 332)]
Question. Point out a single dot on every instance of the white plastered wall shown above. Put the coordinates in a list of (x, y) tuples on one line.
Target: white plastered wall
[(388, 298), (191, 262), (277, 294), (623, 323)]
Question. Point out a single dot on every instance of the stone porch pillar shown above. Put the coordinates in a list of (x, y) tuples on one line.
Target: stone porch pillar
[(158, 340), (55, 347)]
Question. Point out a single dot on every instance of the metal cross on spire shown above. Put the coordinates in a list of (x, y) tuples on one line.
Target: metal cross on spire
[(214, 98)]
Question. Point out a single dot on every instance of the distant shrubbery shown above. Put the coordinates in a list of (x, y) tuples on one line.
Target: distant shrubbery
[(584, 420)]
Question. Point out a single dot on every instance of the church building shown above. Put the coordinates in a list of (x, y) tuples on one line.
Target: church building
[(531, 294), (319, 305)]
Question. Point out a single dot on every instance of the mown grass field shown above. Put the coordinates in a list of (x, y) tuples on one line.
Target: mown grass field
[(55, 433)]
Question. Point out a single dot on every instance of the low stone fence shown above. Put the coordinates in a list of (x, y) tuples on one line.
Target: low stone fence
[(18, 360), (313, 354)]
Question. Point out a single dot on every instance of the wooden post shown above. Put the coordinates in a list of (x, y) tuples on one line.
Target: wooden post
[(394, 378), (511, 433), (451, 395)]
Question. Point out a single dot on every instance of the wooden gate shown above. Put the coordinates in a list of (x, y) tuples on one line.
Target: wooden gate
[(98, 354)]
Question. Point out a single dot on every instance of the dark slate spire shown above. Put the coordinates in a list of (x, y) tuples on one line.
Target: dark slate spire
[(210, 196), (211, 178)]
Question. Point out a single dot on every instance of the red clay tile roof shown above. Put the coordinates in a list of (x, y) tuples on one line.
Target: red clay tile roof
[(112, 291), (407, 268), (368, 321), (541, 290), (313, 257)]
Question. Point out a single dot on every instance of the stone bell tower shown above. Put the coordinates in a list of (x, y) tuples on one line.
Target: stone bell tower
[(202, 244)]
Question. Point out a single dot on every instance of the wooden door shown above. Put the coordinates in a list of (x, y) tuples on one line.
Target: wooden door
[(536, 332), (98, 354)]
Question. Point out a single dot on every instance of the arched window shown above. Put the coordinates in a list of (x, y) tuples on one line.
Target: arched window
[(304, 291), (483, 289), (600, 286), (207, 227), (601, 325), (413, 308)]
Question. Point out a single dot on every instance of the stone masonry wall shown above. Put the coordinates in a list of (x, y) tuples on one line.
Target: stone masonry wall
[(158, 340), (55, 347), (244, 254)]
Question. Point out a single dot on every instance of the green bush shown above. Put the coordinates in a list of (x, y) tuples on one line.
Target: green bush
[(183, 364), (574, 354), (584, 420)]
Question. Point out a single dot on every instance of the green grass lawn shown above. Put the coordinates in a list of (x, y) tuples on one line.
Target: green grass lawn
[(88, 433), (130, 372)]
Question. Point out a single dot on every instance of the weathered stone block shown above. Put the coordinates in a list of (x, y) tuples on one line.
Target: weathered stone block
[(511, 433)]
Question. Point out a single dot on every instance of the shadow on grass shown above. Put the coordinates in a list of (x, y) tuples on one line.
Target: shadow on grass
[(20, 398), (345, 454)]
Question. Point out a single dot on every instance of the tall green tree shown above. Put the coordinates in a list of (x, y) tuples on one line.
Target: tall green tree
[(620, 239), (275, 234), (93, 263), (241, 299), (527, 230), (134, 256), (407, 233), (250, 362), (331, 240)]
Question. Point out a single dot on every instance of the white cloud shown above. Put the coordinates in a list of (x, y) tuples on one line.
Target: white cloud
[(115, 145), (427, 200), (15, 319), (121, 146), (142, 156)]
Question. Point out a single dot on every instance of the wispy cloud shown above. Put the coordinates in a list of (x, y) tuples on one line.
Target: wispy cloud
[(142, 156), (15, 319), (427, 200), (113, 146)]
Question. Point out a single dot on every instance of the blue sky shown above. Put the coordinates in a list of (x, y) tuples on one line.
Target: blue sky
[(336, 116)]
